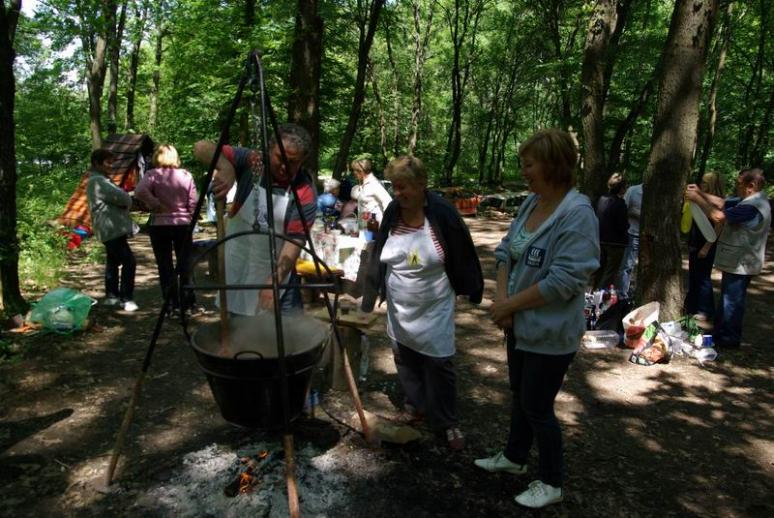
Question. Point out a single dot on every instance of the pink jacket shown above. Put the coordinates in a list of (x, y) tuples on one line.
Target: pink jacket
[(170, 194)]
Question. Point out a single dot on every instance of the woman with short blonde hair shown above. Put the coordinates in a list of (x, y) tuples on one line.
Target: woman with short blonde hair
[(422, 258), (170, 194), (166, 156)]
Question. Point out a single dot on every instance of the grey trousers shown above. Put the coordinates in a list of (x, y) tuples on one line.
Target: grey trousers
[(430, 385)]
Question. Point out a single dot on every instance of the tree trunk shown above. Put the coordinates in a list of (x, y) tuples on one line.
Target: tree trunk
[(712, 112), (153, 109), (304, 101), (420, 50), (395, 146), (380, 108), (95, 37), (669, 163), (752, 92), (623, 129), (11, 300), (134, 62), (116, 37), (762, 141), (459, 27), (368, 24), (593, 90)]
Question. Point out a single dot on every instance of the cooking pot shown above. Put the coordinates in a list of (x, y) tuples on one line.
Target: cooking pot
[(245, 380)]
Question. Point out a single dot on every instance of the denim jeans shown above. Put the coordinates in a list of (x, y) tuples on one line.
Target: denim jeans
[(730, 313), (700, 298), (535, 379), (629, 265), (119, 255)]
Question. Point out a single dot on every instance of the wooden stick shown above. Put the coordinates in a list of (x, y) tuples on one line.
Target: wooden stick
[(220, 208), (124, 427), (353, 390), (290, 476)]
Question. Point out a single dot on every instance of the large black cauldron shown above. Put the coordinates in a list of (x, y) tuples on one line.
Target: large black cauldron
[(245, 381)]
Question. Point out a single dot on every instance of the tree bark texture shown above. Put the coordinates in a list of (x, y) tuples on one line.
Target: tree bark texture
[(420, 51), (593, 91), (304, 100), (367, 23), (669, 163), (141, 17), (626, 126), (115, 55), (11, 301)]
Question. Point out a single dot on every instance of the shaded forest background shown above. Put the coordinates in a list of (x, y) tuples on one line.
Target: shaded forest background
[(459, 83)]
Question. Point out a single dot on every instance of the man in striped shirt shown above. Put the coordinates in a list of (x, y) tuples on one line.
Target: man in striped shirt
[(245, 167)]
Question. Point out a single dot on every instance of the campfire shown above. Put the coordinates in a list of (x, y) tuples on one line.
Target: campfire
[(251, 471)]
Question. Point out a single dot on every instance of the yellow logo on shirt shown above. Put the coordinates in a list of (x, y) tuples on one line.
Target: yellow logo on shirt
[(413, 258)]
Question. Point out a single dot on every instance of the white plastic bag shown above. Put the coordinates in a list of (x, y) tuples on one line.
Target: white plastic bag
[(636, 321)]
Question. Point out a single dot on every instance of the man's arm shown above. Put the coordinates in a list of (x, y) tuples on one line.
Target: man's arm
[(710, 204), (225, 176), (286, 262)]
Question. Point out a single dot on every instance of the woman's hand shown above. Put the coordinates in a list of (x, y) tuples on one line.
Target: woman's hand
[(501, 313)]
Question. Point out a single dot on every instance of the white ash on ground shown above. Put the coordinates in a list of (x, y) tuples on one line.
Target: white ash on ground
[(196, 487)]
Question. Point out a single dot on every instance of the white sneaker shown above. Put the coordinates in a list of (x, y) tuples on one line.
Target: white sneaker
[(539, 495), (111, 301), (130, 306), (500, 463)]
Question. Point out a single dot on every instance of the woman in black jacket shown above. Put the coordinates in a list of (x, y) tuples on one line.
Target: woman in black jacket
[(423, 257)]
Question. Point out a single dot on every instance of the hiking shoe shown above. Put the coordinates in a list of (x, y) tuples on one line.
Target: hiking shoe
[(539, 494), (111, 301), (455, 438), (130, 306), (500, 463)]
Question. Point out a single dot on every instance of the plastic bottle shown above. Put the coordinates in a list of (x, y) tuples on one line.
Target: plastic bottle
[(365, 347), (613, 295)]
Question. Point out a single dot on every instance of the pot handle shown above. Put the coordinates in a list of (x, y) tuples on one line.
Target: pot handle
[(240, 353)]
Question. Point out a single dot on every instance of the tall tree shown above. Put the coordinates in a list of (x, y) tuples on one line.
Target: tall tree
[(12, 300), (669, 164), (161, 32), (604, 29), (96, 28), (115, 56), (304, 100), (141, 16), (367, 14), (462, 20), (753, 89), (712, 110), (421, 40)]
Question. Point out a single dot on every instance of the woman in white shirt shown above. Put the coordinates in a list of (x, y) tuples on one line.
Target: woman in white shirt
[(373, 198)]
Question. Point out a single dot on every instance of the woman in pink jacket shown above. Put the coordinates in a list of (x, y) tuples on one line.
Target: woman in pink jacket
[(170, 194)]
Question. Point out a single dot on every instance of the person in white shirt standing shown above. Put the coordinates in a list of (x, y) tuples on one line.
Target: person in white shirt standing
[(373, 198)]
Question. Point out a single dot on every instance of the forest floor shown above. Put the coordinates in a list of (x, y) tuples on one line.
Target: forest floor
[(668, 440)]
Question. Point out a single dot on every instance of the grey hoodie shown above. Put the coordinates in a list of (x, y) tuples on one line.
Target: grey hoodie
[(560, 257), (109, 207)]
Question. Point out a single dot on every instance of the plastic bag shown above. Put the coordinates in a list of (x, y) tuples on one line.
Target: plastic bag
[(657, 347), (62, 310), (636, 321)]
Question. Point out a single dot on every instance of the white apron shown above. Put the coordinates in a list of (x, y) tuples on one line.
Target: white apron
[(248, 258), (420, 299)]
